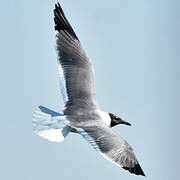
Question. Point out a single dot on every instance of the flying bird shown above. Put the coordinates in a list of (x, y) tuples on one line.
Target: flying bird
[(81, 113)]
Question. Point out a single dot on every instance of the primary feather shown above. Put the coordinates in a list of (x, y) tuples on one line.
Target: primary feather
[(81, 113)]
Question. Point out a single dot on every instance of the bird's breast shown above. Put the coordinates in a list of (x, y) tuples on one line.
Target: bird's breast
[(89, 118), (104, 116)]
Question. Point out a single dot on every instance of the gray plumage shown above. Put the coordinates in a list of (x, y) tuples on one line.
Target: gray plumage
[(81, 112), (81, 106), (77, 71)]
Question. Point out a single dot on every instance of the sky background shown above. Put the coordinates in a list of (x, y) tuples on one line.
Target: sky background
[(134, 46)]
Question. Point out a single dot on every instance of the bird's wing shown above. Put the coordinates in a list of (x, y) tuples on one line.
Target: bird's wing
[(112, 147), (75, 68)]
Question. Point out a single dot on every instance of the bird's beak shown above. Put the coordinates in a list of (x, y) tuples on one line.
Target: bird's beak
[(125, 122)]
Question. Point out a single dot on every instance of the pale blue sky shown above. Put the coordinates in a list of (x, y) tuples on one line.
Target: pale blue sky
[(134, 46)]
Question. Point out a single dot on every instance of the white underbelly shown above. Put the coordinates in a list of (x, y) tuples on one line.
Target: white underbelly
[(105, 117)]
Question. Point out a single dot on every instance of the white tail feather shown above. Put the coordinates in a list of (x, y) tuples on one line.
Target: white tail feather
[(49, 124)]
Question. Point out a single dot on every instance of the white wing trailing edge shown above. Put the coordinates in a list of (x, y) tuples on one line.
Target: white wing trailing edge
[(75, 68), (111, 147)]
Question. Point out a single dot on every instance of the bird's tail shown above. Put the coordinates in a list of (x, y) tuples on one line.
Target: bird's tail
[(49, 125)]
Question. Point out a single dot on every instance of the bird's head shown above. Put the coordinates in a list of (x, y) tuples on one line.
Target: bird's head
[(117, 120)]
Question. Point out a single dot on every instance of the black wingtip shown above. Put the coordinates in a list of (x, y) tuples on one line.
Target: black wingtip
[(135, 170), (61, 23)]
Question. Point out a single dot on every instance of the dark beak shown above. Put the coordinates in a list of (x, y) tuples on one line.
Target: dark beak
[(125, 122)]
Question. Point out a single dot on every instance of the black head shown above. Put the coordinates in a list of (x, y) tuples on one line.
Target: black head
[(117, 120)]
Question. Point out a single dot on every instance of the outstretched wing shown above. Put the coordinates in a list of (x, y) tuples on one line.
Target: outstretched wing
[(75, 68), (112, 147)]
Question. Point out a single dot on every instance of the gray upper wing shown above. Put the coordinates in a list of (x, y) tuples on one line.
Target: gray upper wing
[(75, 69), (112, 147)]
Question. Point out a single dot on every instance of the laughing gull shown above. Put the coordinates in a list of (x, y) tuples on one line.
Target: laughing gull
[(81, 113)]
